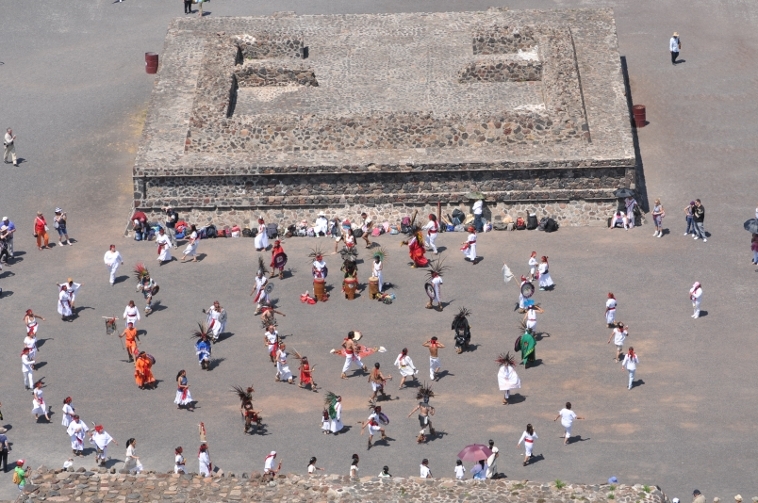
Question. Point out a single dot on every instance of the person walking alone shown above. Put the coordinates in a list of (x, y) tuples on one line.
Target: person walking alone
[(112, 260), (630, 364), (675, 45), (567, 417), (9, 143)]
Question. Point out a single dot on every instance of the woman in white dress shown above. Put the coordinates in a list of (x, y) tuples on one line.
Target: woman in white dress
[(533, 266), (164, 246), (64, 304), (132, 462), (261, 238), (30, 320), (131, 313), (68, 412), (507, 378), (610, 310), (191, 249), (404, 363), (546, 282), (204, 460), (39, 408), (179, 462), (528, 437), (183, 397)]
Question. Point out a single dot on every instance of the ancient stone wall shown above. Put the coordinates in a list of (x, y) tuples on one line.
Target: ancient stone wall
[(501, 71), (504, 40), (269, 46), (257, 75)]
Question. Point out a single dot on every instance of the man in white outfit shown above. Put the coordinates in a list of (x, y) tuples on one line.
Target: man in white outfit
[(432, 229), (27, 367), (112, 260), (72, 289), (100, 438)]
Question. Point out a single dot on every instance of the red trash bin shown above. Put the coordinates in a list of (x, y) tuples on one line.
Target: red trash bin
[(151, 62), (639, 115)]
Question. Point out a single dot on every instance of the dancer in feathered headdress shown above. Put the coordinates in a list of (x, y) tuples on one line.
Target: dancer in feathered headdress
[(462, 330), (379, 256), (424, 411), (250, 417), (333, 407), (434, 282), (202, 346), (375, 421), (526, 342), (261, 282), (507, 378), (349, 258), (416, 248), (147, 285)]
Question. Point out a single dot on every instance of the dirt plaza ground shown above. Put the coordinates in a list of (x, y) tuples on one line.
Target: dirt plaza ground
[(74, 92)]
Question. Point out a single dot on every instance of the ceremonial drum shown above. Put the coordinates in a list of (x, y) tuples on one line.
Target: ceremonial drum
[(373, 287), (319, 289), (349, 286)]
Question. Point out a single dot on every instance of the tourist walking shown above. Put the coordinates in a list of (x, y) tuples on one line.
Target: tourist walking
[(619, 334), (9, 142), (610, 310), (40, 231), (507, 378), (191, 249), (567, 417), (183, 396), (675, 45), (27, 368), (172, 217), (698, 216), (59, 224), (112, 260), (630, 365), (9, 231), (528, 437), (658, 214), (132, 462), (696, 296), (434, 360)]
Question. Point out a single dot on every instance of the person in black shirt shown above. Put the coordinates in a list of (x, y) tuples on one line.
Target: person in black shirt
[(698, 216), (171, 218)]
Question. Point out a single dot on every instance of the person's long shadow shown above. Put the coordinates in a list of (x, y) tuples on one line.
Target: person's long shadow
[(215, 362), (703, 313), (7, 274), (444, 373), (6, 293), (539, 335), (577, 438), (41, 342), (638, 382), (516, 398), (120, 279), (80, 309), (226, 335), (157, 306), (537, 458), (39, 365)]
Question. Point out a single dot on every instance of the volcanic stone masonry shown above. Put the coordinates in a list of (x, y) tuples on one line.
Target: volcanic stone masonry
[(287, 116)]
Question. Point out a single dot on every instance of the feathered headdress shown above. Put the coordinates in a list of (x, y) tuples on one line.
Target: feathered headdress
[(436, 268), (505, 359), (463, 313), (460, 322), (349, 254), (245, 395), (372, 405), (140, 271), (315, 253), (262, 266), (425, 392), (380, 254), (201, 331)]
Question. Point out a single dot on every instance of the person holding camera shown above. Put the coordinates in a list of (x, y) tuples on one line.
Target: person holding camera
[(59, 223), (171, 218)]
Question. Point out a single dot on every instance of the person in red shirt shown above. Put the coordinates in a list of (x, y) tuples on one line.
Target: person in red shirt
[(40, 231)]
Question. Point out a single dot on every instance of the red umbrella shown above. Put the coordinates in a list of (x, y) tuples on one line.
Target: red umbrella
[(475, 452)]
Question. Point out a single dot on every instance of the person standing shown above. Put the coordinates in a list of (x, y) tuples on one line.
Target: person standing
[(183, 396), (698, 216), (675, 45), (697, 497), (335, 413), (477, 210), (131, 337), (164, 247), (460, 470), (112, 260), (132, 462), (100, 438), (191, 249), (131, 313), (434, 361), (530, 317), (68, 412), (658, 214), (696, 296), (432, 228), (64, 304), (172, 217), (610, 310), (204, 460), (492, 464), (4, 448), (619, 334), (187, 10), (405, 365), (546, 282), (10, 147), (469, 246), (11, 229), (59, 223), (27, 367), (754, 248), (424, 471), (216, 321), (528, 437), (20, 474), (630, 364), (77, 431), (354, 466), (40, 231), (143, 371), (528, 347), (378, 267), (200, 7), (689, 212), (261, 238), (39, 407), (567, 417), (179, 462), (385, 473)]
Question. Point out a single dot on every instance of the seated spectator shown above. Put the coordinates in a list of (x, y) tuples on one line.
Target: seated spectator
[(139, 224), (321, 228), (619, 219)]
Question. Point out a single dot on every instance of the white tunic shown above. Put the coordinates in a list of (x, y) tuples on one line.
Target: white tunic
[(68, 414), (610, 311), (322, 226), (545, 280), (377, 273), (64, 303), (31, 343), (318, 268), (261, 239), (507, 378), (77, 431), (532, 265), (261, 296), (528, 441), (436, 282), (282, 368), (164, 245), (38, 403), (405, 365), (32, 326), (112, 258), (131, 314), (336, 421), (216, 321), (191, 249), (179, 464), (630, 363), (205, 463), (470, 252), (695, 296)]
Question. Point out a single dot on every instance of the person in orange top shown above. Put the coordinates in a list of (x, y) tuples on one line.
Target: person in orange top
[(130, 334), (40, 231), (143, 373)]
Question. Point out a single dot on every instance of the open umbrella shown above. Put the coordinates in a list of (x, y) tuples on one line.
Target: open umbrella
[(474, 195), (624, 192), (751, 225), (474, 452)]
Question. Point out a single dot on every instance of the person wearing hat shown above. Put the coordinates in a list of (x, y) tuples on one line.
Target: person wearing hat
[(10, 229), (71, 288), (697, 497), (20, 474), (100, 439), (675, 45), (59, 223), (469, 246), (321, 227)]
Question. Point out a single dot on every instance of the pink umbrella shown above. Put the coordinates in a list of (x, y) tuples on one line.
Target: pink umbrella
[(474, 452)]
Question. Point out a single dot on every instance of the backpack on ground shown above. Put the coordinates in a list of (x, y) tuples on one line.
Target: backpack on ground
[(520, 224), (210, 231), (272, 230), (551, 225), (247, 233), (377, 231), (458, 217), (221, 233), (542, 224), (531, 222)]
